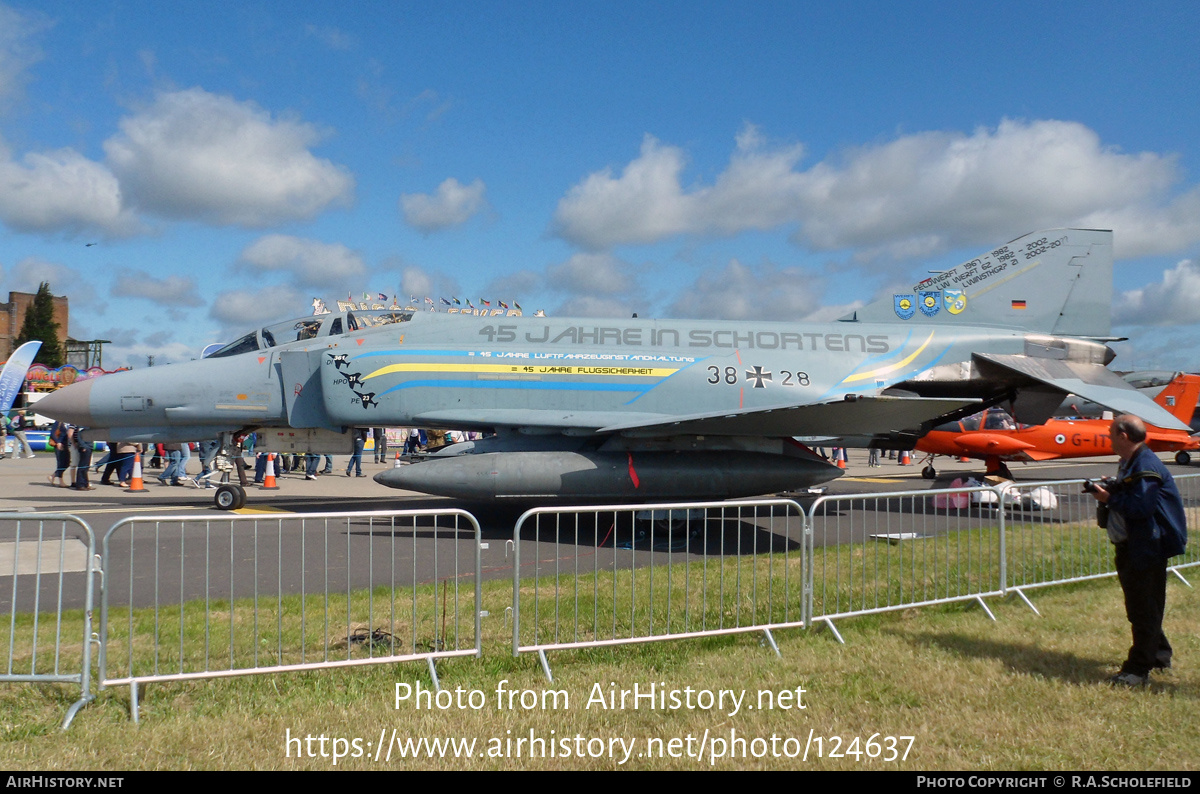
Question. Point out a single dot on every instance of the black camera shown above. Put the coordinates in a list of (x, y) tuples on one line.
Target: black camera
[(1107, 483)]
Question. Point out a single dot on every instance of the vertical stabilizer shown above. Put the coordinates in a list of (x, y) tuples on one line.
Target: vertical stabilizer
[(1056, 282), (1180, 396)]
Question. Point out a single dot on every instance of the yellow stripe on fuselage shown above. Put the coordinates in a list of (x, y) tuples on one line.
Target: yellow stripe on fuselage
[(527, 369), (898, 365)]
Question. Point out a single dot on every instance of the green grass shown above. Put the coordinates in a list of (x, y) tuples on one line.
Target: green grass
[(1025, 692)]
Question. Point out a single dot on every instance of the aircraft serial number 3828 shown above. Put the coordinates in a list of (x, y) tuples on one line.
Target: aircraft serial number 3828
[(643, 410)]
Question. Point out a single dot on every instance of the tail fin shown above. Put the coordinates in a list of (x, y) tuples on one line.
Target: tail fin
[(1180, 396), (1055, 282)]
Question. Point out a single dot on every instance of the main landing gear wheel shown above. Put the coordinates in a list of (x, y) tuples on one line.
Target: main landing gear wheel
[(1182, 458), (229, 497), (929, 472)]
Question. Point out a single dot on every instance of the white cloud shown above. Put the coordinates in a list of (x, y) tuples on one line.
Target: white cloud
[(119, 336), (137, 354), (238, 312), (332, 37), (313, 263), (760, 189), (66, 281), (18, 51), (595, 306), (1173, 301), (1149, 229), (592, 275), (918, 194), (741, 292), (169, 291), (61, 191), (453, 204), (199, 156), (940, 189), (521, 282), (420, 284)]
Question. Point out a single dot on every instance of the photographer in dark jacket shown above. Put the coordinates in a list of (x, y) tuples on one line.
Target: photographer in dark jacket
[(1147, 525)]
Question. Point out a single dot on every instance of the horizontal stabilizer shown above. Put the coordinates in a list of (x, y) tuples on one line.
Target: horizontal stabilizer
[(862, 416), (1090, 381)]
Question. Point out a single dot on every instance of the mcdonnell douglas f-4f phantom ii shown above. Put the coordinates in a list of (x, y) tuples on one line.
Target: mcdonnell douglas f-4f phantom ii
[(642, 410)]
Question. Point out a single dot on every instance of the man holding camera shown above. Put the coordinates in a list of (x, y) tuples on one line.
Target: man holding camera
[(1147, 525)]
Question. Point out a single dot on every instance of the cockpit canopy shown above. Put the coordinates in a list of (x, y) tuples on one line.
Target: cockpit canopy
[(993, 418), (312, 327)]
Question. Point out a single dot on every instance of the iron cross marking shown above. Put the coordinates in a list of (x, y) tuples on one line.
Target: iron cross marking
[(758, 376)]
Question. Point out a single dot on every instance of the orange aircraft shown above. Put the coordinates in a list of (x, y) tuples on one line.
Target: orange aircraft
[(993, 436)]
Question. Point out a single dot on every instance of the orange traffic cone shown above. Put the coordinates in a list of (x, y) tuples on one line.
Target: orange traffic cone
[(963, 459), (841, 458), (397, 464), (905, 458), (269, 476), (135, 479)]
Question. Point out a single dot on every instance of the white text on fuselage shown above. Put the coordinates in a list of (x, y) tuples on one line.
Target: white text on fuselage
[(670, 337)]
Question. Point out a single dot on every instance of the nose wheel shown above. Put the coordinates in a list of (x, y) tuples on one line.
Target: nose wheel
[(929, 472), (229, 497)]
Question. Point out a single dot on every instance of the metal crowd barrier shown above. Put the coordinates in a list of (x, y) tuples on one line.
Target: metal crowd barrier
[(1189, 489), (1053, 538), (241, 595), (875, 553), (657, 572), (49, 560)]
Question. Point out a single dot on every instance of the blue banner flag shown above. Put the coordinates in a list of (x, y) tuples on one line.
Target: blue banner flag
[(13, 374)]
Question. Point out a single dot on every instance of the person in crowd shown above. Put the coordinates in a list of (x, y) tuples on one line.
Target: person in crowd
[(360, 441), (22, 422), (57, 440), (83, 460), (1145, 521)]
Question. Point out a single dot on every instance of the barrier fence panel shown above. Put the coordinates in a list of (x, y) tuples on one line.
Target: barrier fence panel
[(1189, 489), (655, 572), (1052, 535), (46, 582), (879, 552), (189, 597)]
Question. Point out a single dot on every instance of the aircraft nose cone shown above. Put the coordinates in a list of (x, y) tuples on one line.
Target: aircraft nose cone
[(69, 404)]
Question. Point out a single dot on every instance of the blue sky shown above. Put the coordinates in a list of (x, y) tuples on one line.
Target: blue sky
[(782, 161)]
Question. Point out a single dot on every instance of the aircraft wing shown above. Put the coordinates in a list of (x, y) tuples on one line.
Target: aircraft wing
[(1170, 442), (862, 416), (1037, 454), (1090, 381)]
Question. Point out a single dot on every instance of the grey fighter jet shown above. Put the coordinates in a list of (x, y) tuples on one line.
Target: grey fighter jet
[(599, 410)]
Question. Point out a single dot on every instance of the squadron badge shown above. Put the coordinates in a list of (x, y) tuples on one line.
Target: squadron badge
[(930, 302), (905, 307), (955, 300)]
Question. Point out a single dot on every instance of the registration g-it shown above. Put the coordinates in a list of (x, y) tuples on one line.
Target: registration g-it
[(640, 410)]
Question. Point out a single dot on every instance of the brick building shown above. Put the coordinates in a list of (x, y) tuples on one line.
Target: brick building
[(12, 315)]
